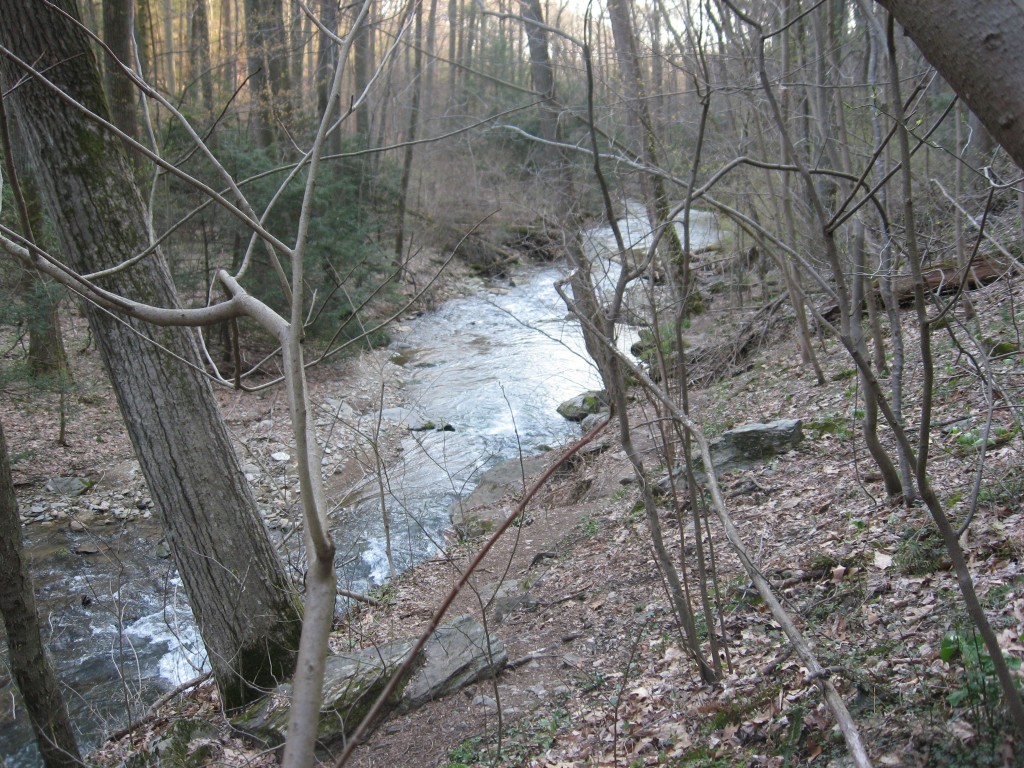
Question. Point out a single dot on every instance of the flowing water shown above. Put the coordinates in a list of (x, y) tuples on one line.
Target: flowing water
[(491, 369), (492, 366)]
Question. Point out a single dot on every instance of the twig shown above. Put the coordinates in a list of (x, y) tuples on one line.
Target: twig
[(151, 713)]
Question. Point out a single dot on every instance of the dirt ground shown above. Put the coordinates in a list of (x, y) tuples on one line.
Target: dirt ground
[(598, 674)]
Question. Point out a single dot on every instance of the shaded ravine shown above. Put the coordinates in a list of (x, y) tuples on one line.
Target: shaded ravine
[(483, 377), (491, 367)]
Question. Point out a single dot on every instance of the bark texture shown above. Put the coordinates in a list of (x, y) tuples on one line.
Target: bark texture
[(245, 607), (976, 48), (30, 665), (118, 25)]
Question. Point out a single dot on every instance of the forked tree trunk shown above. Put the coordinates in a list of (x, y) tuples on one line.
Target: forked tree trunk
[(245, 607)]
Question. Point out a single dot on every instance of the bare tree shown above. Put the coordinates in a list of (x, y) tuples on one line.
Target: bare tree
[(30, 664), (244, 603)]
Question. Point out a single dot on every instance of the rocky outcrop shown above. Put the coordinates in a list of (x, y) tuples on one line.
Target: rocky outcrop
[(455, 656), (761, 441), (480, 513)]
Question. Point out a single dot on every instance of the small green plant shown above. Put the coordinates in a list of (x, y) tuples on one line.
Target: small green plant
[(590, 526), (966, 439), (637, 512), (1008, 491), (830, 424), (977, 690), (520, 742), (923, 552)]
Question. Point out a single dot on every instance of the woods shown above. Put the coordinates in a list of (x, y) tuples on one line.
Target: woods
[(235, 192)]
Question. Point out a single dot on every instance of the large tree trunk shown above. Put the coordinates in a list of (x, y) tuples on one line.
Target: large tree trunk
[(30, 665), (118, 25), (170, 80), (976, 48), (362, 68), (410, 136), (246, 609), (542, 74), (199, 52), (268, 65), (326, 62)]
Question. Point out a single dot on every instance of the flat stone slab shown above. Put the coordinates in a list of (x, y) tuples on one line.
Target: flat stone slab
[(68, 486), (455, 656), (761, 441), (481, 512), (745, 447)]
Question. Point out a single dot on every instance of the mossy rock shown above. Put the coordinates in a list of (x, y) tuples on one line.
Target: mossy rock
[(581, 406), (352, 681)]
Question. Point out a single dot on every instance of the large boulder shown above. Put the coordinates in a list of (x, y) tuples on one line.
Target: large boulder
[(745, 447), (761, 441)]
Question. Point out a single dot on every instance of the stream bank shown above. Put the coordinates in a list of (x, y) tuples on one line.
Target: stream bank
[(462, 388)]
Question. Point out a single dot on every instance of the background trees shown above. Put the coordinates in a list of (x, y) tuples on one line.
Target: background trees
[(840, 166)]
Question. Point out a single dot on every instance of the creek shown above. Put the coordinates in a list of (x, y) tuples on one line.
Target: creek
[(490, 368), (487, 370)]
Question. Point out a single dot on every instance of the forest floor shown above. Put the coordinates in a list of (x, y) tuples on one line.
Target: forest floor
[(598, 673)]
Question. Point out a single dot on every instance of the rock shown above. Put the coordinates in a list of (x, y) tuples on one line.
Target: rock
[(280, 456), (591, 420), (479, 513), (485, 702), (745, 447), (87, 548), (454, 657), (431, 426), (68, 486), (506, 598), (761, 441), (77, 526), (414, 421), (579, 407), (352, 682)]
